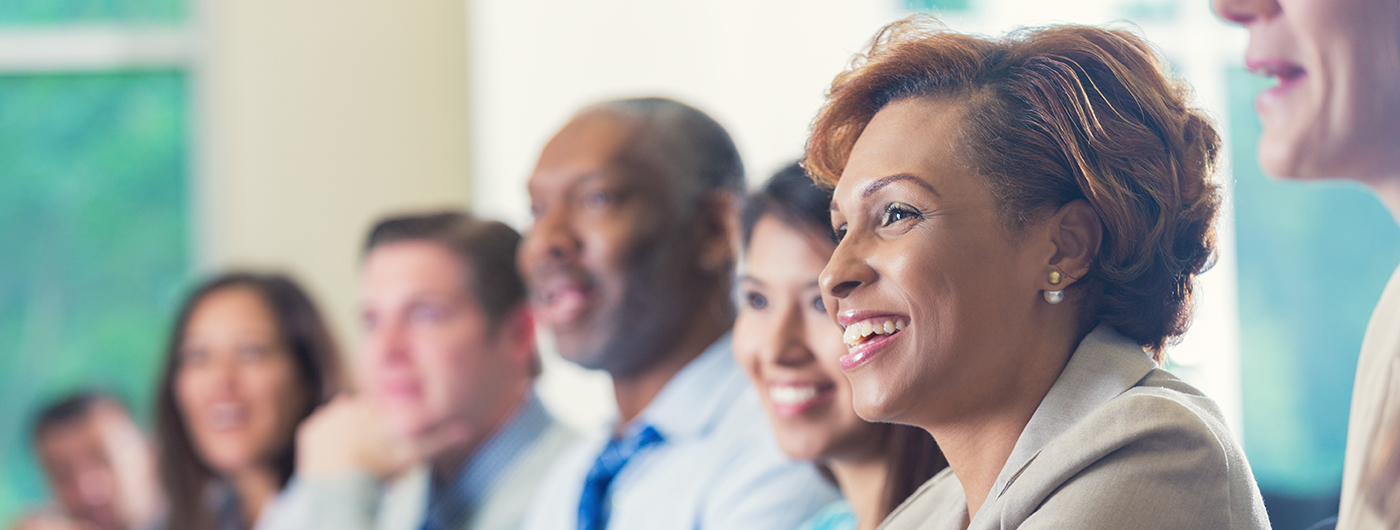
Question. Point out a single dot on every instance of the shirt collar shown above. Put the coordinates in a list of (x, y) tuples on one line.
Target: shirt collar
[(476, 479), (1105, 365), (696, 398)]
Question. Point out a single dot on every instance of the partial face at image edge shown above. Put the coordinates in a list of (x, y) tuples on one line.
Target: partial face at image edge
[(1335, 108)]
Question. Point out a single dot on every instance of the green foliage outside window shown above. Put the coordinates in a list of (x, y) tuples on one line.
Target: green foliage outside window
[(93, 246), (48, 12)]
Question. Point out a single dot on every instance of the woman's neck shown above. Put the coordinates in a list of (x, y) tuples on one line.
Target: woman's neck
[(978, 442), (862, 483), (254, 488)]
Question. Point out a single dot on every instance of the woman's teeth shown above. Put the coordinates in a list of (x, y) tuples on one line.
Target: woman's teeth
[(792, 395), (861, 331)]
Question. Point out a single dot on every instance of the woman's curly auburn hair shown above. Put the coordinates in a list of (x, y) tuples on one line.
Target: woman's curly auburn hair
[(1052, 115)]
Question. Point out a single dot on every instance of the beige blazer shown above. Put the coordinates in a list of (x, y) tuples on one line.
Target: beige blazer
[(1375, 397), (1117, 443)]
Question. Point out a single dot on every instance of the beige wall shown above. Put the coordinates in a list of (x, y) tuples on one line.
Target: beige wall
[(316, 117)]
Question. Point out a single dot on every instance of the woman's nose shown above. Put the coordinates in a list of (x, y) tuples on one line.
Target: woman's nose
[(1244, 12), (784, 344), (846, 271)]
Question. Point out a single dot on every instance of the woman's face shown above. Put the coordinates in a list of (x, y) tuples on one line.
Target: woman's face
[(236, 384), (1336, 109), (928, 283), (791, 349)]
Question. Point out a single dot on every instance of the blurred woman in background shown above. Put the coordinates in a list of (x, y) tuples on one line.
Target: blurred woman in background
[(1335, 113), (249, 358), (1021, 222), (790, 348)]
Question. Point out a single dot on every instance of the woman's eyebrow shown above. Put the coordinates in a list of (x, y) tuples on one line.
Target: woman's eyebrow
[(885, 181)]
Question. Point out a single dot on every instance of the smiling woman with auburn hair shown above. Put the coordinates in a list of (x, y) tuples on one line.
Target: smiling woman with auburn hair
[(1021, 221)]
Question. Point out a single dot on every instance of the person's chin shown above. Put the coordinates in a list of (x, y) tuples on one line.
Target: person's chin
[(582, 346), (1281, 155), (876, 405)]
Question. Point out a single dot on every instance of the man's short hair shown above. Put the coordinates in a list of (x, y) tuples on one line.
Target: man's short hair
[(487, 248), (70, 409)]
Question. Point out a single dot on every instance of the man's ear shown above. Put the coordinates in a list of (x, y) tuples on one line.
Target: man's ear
[(716, 225), (1076, 233), (518, 330)]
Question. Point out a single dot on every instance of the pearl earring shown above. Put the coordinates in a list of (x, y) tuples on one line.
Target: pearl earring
[(1055, 297)]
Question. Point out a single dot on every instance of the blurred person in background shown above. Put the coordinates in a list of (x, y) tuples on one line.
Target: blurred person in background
[(791, 350), (446, 433), (1335, 113), (249, 358), (629, 265), (1021, 222), (99, 465)]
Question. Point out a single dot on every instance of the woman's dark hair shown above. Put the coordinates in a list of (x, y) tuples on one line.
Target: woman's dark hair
[(1052, 115), (910, 454), (792, 197), (184, 473)]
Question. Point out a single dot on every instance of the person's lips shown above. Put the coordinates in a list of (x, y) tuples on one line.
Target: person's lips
[(563, 299), (1289, 75), (400, 389), (229, 415), (867, 333), (792, 398)]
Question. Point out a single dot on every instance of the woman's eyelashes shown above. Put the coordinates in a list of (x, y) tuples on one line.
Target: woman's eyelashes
[(892, 213), (895, 212)]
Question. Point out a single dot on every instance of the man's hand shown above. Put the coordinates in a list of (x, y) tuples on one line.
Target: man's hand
[(348, 435)]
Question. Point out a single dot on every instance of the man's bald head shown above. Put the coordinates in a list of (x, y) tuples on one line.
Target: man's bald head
[(674, 139)]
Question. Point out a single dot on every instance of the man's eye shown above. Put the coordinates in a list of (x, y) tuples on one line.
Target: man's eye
[(840, 233), (819, 305), (896, 212), (427, 314), (755, 300), (598, 199), (536, 210)]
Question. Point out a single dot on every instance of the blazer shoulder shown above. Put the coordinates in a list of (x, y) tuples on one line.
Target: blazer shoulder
[(1157, 456)]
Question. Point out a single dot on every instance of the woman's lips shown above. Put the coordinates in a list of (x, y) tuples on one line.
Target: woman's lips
[(867, 334), (1289, 75), (862, 353)]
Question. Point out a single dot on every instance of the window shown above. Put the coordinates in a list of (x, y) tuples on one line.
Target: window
[(94, 185)]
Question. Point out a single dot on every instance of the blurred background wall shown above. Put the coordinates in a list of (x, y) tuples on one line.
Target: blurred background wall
[(145, 144)]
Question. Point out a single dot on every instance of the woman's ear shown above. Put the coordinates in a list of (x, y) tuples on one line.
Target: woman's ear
[(1076, 232)]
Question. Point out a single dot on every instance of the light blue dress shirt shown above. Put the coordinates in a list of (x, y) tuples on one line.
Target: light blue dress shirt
[(718, 468), (450, 506), (836, 516)]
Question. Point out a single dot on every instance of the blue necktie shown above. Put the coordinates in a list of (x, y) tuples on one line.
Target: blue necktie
[(592, 507)]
